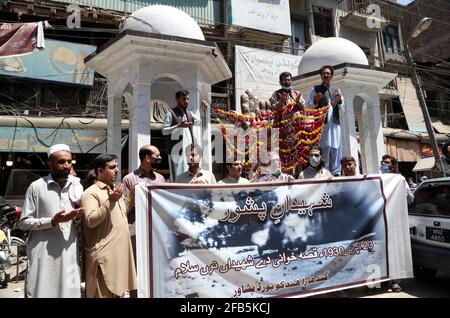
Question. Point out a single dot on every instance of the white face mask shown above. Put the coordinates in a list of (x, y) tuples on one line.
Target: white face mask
[(314, 161)]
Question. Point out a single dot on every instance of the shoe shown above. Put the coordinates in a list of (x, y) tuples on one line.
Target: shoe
[(396, 288)]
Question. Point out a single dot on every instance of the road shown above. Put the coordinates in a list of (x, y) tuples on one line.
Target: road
[(439, 287)]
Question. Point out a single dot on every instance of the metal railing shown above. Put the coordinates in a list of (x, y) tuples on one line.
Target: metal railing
[(365, 7)]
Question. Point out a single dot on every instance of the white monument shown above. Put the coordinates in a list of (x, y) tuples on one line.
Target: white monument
[(359, 85), (160, 50)]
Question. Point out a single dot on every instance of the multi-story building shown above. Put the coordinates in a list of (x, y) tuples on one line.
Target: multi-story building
[(282, 32), (380, 29)]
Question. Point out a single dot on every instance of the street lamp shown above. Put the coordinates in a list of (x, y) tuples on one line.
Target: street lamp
[(420, 27)]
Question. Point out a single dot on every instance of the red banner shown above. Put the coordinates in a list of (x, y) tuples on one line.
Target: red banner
[(20, 38), (426, 150)]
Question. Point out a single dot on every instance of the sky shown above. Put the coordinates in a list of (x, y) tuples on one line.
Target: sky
[(404, 2)]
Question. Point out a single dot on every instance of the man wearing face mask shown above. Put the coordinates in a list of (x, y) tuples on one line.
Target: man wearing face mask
[(320, 96), (286, 94), (290, 115), (315, 167), (150, 157), (389, 165)]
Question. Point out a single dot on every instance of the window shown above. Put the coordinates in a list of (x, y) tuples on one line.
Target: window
[(393, 115), (391, 39), (323, 24), (298, 36), (432, 199)]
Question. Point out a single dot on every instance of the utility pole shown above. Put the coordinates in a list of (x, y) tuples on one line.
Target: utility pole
[(426, 116)]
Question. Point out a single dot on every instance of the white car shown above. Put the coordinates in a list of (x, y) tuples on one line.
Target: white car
[(429, 225)]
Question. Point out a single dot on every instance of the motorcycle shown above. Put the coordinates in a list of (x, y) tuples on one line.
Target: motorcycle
[(11, 247)]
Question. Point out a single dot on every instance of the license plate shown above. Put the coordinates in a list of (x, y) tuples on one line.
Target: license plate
[(438, 235)]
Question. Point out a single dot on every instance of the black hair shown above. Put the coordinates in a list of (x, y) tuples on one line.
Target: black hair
[(348, 158), (145, 151), (102, 159), (181, 92), (322, 163), (195, 147), (330, 67), (285, 74)]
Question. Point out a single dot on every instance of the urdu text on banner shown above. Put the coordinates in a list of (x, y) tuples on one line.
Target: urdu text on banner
[(265, 15), (259, 70), (271, 240)]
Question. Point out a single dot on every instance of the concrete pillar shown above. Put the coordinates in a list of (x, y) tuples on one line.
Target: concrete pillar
[(139, 131), (114, 132), (348, 128), (377, 146), (205, 93)]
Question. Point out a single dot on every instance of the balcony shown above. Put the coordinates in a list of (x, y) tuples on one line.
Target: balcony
[(366, 15)]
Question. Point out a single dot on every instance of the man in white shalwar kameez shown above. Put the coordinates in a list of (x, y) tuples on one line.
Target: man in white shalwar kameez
[(178, 127), (50, 213)]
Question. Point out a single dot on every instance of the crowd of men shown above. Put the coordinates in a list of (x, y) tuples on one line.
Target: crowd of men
[(57, 208)]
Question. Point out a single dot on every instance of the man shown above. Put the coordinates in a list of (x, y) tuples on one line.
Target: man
[(315, 168), (179, 122), (411, 183), (271, 171), (348, 164), (320, 96), (289, 116), (233, 171), (195, 174), (286, 94), (389, 164), (49, 212), (149, 156), (110, 268)]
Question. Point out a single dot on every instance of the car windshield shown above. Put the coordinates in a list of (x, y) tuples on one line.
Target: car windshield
[(432, 199), (19, 180)]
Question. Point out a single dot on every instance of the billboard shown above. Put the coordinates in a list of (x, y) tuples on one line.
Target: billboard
[(59, 62), (265, 15)]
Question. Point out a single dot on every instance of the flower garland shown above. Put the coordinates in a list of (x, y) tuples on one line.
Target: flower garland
[(299, 129)]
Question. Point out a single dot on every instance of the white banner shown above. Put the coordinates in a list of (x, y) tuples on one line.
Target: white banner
[(273, 239), (259, 71), (266, 15)]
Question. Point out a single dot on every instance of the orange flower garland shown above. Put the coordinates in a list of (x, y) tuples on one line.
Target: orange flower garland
[(298, 130)]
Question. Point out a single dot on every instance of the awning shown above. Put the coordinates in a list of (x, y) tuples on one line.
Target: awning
[(440, 127), (410, 104), (424, 164), (403, 149)]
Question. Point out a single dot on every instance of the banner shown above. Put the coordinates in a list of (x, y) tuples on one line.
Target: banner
[(20, 38), (271, 239), (259, 70), (266, 15)]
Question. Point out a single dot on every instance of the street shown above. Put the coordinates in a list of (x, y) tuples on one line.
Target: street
[(439, 287)]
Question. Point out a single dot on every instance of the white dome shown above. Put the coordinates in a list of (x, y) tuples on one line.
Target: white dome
[(331, 51), (165, 20)]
